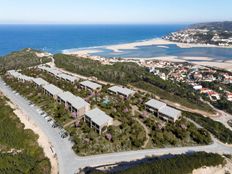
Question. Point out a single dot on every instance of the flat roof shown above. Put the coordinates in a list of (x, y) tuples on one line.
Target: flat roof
[(53, 89), (53, 71), (156, 104), (26, 78), (170, 112), (121, 90), (91, 85), (14, 73), (77, 102), (40, 81), (65, 95), (67, 77), (19, 75), (99, 117)]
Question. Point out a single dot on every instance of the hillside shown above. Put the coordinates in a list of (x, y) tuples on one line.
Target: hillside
[(214, 33), (219, 26), (19, 150), (132, 74), (21, 59)]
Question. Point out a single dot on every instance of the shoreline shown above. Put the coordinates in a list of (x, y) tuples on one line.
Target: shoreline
[(117, 48), (204, 61)]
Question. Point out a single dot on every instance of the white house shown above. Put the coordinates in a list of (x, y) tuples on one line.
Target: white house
[(90, 85), (52, 90), (39, 82), (98, 119), (123, 91), (154, 106), (170, 114)]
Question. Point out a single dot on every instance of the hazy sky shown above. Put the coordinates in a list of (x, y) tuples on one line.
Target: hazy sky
[(114, 11)]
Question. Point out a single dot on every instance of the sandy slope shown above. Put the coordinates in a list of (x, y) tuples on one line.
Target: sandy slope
[(215, 170), (42, 140)]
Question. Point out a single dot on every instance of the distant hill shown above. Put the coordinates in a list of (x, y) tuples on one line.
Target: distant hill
[(21, 59), (219, 26), (214, 33)]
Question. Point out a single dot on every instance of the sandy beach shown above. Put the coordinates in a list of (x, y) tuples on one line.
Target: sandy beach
[(205, 61), (120, 47), (42, 140)]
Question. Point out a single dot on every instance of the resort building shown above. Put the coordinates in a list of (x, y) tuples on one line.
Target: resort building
[(59, 74), (98, 119), (63, 97), (52, 71), (76, 105), (52, 90), (161, 109), (154, 106), (169, 114), (67, 78), (19, 76), (13, 73), (125, 92), (91, 85), (39, 82)]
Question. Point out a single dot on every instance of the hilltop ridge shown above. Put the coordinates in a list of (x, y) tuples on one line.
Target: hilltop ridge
[(213, 33)]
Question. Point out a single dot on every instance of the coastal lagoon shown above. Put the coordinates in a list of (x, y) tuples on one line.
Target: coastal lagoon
[(72, 38), (151, 51)]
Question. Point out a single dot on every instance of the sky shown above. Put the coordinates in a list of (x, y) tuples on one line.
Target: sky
[(113, 11)]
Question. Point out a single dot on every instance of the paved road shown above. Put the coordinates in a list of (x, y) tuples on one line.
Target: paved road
[(69, 162)]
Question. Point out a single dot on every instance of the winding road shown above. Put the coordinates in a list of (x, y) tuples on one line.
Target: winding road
[(70, 163)]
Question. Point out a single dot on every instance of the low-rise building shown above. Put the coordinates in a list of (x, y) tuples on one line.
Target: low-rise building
[(68, 78), (90, 85), (77, 106), (39, 82), (154, 106), (19, 76), (98, 119), (169, 113), (52, 90), (63, 97), (125, 92)]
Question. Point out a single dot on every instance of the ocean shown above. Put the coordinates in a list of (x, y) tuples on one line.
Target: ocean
[(56, 38)]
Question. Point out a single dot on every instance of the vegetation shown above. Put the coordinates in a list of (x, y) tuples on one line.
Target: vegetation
[(124, 137), (21, 59), (131, 73), (216, 128), (62, 84), (179, 164), (19, 151), (180, 133), (221, 26), (126, 133), (40, 99), (223, 103)]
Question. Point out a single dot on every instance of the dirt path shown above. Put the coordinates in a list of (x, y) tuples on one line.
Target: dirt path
[(42, 140), (69, 123), (147, 131), (178, 106)]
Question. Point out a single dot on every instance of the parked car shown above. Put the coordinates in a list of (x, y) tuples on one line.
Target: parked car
[(64, 135), (48, 118)]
